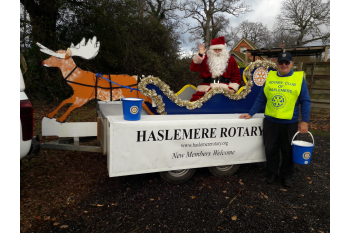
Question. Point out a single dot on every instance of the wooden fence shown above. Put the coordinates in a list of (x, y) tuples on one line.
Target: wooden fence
[(318, 82)]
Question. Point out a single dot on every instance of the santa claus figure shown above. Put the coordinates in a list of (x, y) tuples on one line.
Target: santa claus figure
[(217, 68)]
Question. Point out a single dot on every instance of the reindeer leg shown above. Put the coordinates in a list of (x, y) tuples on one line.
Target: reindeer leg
[(78, 103), (67, 101)]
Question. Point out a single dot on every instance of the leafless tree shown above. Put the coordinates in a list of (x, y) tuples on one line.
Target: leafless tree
[(288, 39), (255, 32), (308, 19), (208, 18), (219, 26)]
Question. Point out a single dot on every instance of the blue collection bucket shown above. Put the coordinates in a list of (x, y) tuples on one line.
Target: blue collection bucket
[(302, 151), (132, 108)]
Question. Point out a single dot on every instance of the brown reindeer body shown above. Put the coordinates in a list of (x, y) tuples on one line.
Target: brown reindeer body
[(87, 86)]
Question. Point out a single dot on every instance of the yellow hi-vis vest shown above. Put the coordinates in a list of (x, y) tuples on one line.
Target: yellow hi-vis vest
[(282, 94)]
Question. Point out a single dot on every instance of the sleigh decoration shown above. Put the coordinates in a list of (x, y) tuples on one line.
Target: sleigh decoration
[(158, 98)]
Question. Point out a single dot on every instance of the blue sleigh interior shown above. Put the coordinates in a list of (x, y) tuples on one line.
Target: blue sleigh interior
[(217, 104)]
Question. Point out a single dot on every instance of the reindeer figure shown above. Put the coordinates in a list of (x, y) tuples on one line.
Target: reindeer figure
[(85, 84)]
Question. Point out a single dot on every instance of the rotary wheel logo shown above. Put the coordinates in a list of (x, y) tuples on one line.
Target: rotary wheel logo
[(278, 101), (134, 109), (259, 76), (306, 155)]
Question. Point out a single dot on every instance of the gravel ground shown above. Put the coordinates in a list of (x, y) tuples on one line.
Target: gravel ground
[(65, 191)]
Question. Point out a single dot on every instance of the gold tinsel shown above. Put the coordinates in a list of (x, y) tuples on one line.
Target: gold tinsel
[(266, 64), (199, 103)]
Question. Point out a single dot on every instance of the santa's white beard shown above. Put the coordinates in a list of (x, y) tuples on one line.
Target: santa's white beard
[(217, 62)]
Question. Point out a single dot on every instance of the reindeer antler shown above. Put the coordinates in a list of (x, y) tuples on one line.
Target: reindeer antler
[(86, 51), (49, 51)]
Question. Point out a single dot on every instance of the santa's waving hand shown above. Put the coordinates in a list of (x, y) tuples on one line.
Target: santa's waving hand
[(217, 68), (201, 49)]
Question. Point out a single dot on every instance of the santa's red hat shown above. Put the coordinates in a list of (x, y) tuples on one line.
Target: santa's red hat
[(218, 43)]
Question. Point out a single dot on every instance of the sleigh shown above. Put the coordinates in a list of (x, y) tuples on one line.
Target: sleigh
[(216, 101)]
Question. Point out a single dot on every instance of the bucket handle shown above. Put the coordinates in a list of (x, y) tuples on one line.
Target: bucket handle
[(313, 141)]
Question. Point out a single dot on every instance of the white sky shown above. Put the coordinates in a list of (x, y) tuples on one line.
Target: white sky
[(264, 11)]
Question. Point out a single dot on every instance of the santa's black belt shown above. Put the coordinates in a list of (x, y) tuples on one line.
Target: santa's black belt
[(216, 80)]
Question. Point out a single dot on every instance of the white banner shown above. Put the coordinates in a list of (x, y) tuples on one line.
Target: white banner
[(171, 142)]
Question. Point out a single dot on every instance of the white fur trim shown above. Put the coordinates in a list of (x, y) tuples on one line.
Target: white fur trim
[(203, 88), (218, 46), (222, 85), (197, 59), (234, 86)]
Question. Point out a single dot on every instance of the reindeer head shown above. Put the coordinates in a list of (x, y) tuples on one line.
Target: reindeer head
[(60, 58)]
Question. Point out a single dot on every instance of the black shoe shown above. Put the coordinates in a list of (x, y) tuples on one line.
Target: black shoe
[(270, 179), (287, 182)]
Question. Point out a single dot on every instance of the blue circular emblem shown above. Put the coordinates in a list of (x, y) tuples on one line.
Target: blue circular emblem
[(278, 101)]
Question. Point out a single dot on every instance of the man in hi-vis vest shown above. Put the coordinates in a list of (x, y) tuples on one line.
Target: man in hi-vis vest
[(284, 90)]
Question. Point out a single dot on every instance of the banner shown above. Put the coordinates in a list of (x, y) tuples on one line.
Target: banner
[(172, 142)]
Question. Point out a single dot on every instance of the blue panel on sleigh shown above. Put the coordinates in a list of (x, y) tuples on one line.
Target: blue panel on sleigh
[(218, 104)]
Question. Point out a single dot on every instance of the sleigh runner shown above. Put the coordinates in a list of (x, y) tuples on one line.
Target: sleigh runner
[(208, 126)]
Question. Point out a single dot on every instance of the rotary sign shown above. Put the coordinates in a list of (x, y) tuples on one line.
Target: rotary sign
[(260, 75)]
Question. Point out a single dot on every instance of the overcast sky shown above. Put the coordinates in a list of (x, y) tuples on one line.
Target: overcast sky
[(264, 11)]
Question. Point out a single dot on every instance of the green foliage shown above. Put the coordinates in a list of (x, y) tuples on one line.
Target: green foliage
[(241, 64), (131, 43)]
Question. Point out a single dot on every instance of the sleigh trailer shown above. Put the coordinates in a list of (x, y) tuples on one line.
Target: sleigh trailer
[(173, 137), (173, 145)]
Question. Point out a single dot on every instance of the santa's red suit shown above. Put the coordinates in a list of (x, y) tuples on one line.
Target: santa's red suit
[(214, 70)]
